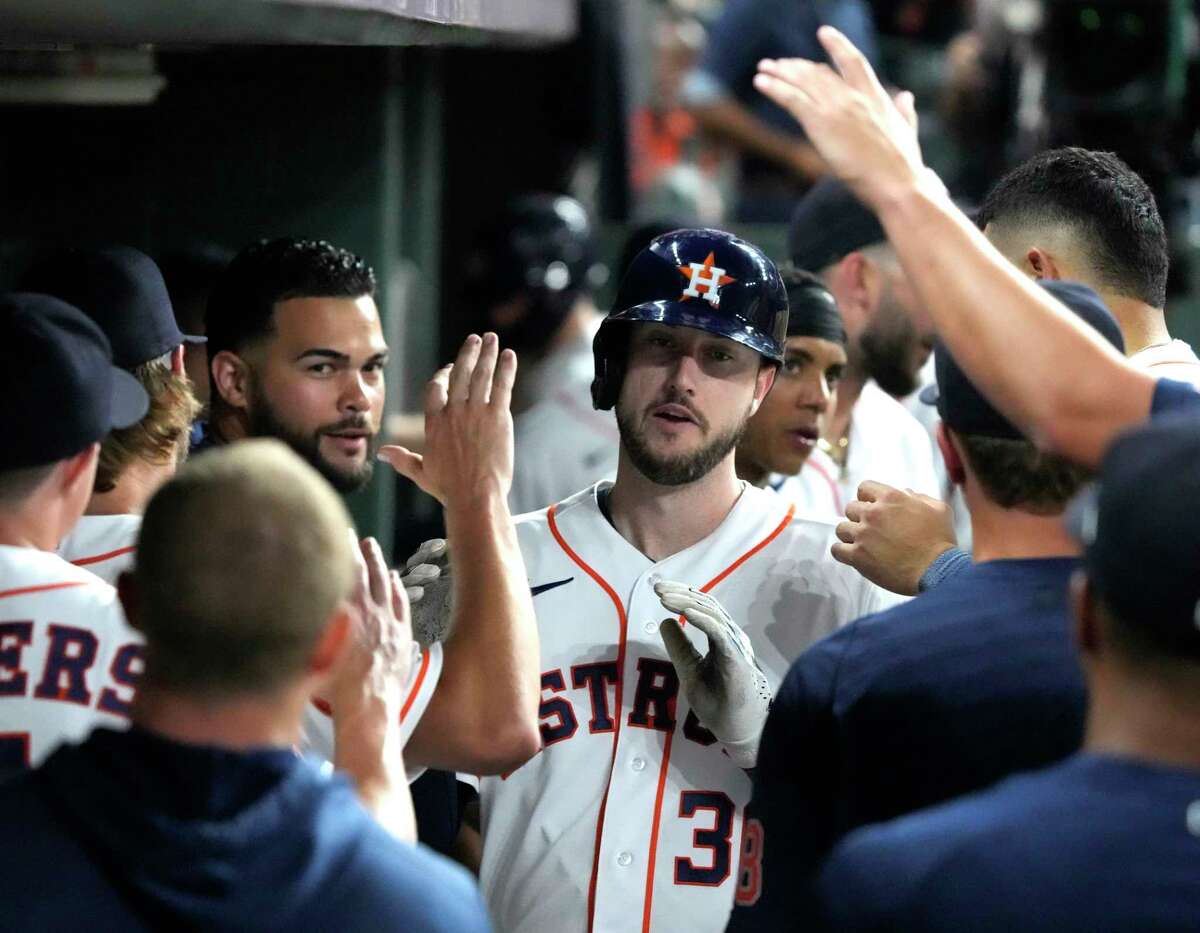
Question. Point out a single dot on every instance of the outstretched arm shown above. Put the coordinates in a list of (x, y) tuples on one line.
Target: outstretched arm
[(1039, 364), (482, 718)]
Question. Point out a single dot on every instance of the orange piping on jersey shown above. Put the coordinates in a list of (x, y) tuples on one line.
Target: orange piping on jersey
[(95, 559), (622, 622), (833, 486), (325, 708), (412, 694), (43, 588), (662, 774)]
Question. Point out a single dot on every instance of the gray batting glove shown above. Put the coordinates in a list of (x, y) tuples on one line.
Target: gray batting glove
[(426, 579), (726, 688)]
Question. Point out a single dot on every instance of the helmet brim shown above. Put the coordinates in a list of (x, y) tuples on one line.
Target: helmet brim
[(697, 314)]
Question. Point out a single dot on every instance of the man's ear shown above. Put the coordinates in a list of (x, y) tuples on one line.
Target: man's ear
[(1041, 265), (333, 641), (1089, 638), (950, 454), (80, 469), (177, 361), (856, 281), (127, 593), (230, 376), (762, 385)]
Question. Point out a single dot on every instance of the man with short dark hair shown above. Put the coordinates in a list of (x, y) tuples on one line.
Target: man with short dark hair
[(297, 353), (1108, 839), (122, 290), (69, 661), (201, 815), (1087, 216), (945, 694)]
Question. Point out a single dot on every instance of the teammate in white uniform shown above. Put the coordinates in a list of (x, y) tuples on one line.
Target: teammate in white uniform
[(869, 434), (297, 353), (68, 661), (123, 291), (532, 271), (779, 449), (631, 817)]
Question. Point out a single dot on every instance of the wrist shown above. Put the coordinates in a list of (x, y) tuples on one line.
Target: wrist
[(897, 206)]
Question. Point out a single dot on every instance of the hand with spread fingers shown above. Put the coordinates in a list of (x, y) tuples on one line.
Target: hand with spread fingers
[(468, 427), (427, 581), (867, 137), (726, 688), (891, 536)]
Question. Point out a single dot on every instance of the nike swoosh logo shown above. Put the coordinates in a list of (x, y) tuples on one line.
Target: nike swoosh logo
[(538, 590)]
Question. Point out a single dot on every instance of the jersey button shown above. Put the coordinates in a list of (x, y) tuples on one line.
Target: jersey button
[(638, 764), (625, 859), (651, 627)]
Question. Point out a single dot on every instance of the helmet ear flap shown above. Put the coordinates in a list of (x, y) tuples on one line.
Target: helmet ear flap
[(609, 348)]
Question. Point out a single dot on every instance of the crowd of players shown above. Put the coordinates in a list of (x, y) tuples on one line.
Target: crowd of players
[(917, 510)]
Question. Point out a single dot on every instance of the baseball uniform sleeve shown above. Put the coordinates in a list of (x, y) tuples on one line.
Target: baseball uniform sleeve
[(1171, 396)]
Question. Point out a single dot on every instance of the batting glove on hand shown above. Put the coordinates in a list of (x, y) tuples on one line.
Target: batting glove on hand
[(426, 579), (726, 688)]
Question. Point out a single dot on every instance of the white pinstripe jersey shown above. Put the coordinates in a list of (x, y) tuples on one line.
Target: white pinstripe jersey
[(630, 818)]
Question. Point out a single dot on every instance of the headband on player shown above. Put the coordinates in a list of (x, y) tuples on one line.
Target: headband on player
[(812, 309)]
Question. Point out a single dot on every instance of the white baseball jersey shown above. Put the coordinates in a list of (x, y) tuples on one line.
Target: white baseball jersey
[(630, 818), (68, 660), (102, 544), (423, 676), (814, 489), (1174, 360), (561, 442), (887, 445)]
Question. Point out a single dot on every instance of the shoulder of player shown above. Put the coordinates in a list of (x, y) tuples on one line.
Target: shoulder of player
[(43, 572), (884, 413)]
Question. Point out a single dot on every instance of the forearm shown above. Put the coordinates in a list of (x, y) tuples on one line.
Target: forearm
[(728, 120), (373, 757), (491, 660), (1044, 368)]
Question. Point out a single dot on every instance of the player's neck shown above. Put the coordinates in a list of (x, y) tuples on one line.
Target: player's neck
[(1149, 718), (663, 520), (752, 472), (1142, 325), (240, 723), (1010, 534), (137, 483), (37, 524)]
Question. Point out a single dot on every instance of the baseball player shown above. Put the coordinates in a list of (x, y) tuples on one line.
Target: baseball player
[(297, 353), (123, 291), (68, 661), (631, 816), (534, 270), (780, 447), (869, 435)]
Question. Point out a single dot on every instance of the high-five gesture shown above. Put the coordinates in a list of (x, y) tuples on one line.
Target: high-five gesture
[(468, 426), (868, 138)]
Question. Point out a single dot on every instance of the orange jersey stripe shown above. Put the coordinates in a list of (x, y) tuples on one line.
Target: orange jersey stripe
[(662, 775), (45, 587), (84, 561), (622, 621)]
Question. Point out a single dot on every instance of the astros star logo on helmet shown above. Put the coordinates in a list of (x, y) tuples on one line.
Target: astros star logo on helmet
[(704, 280)]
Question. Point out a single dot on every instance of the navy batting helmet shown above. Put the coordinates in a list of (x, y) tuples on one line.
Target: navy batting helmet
[(706, 279)]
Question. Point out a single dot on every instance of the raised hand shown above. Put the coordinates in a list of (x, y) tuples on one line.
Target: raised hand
[(468, 427), (868, 138)]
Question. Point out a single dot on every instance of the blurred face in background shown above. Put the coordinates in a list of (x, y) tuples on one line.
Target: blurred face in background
[(898, 337), (785, 429)]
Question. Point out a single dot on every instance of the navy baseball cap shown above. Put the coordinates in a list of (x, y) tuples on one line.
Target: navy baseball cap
[(828, 224), (963, 407), (59, 391), (122, 290), (1137, 524)]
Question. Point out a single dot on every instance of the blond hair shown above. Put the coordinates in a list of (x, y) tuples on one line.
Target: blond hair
[(242, 561), (161, 436)]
